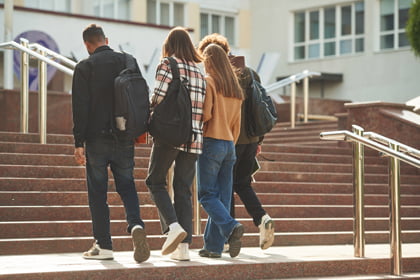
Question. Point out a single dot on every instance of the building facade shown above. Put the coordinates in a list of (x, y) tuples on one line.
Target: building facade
[(359, 46)]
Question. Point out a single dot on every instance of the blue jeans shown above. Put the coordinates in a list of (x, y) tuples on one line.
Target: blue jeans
[(161, 159), (102, 152), (215, 167)]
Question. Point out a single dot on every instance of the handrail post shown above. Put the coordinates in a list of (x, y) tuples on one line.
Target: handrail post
[(358, 197), (292, 104), (196, 206), (395, 214), (24, 88), (42, 100), (305, 97)]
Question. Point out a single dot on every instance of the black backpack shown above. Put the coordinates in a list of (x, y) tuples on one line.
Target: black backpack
[(131, 100), (171, 120), (261, 114)]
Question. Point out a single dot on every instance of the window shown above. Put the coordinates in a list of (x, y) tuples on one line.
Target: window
[(211, 22), (50, 5), (329, 31), (393, 18), (165, 12), (116, 9)]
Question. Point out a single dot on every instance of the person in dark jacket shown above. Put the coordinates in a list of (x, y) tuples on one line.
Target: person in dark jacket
[(247, 148), (98, 146)]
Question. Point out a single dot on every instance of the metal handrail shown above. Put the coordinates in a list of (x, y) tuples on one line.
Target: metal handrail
[(387, 141), (292, 80), (22, 48), (43, 55), (361, 139), (348, 136), (37, 47)]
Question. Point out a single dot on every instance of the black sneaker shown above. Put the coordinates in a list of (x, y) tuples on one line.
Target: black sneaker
[(207, 254), (235, 240)]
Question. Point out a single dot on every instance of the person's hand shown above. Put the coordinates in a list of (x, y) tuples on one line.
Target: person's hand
[(79, 155), (258, 150)]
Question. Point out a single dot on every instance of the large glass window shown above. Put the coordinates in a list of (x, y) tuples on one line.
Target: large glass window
[(393, 18), (165, 12), (49, 5), (116, 9), (212, 22), (329, 31)]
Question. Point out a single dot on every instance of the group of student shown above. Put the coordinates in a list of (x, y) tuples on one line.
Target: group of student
[(220, 148)]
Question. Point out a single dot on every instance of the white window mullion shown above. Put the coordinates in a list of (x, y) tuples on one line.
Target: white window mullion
[(158, 12), (307, 31), (171, 14), (321, 33), (337, 30), (396, 20)]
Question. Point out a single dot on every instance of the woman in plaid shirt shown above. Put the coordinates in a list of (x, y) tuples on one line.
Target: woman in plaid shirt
[(176, 219)]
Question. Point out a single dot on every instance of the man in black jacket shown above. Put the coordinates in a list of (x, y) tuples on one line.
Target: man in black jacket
[(98, 146)]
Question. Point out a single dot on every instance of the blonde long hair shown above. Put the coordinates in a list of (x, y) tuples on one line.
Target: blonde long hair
[(218, 66)]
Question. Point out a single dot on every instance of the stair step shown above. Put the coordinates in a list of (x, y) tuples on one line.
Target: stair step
[(124, 243), (252, 263), (80, 228), (81, 212)]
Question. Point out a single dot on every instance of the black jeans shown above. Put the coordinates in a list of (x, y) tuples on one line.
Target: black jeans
[(242, 171), (161, 160), (119, 155)]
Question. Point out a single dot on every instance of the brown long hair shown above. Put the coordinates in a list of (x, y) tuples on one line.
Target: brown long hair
[(217, 65), (179, 44)]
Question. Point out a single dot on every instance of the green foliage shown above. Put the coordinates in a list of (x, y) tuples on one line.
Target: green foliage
[(413, 27)]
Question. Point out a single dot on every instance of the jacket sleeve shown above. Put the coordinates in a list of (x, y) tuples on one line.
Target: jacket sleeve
[(162, 79), (80, 103)]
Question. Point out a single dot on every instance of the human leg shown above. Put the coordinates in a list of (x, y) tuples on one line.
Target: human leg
[(220, 224), (184, 173), (97, 155), (242, 181), (160, 160)]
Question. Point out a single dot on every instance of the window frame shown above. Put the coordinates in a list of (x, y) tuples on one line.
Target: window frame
[(171, 12), (223, 15), (337, 39), (115, 9), (396, 31), (38, 5)]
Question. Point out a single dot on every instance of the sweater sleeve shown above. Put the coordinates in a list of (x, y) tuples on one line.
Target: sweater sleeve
[(208, 100)]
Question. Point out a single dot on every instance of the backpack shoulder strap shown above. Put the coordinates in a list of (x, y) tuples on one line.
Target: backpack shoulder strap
[(174, 67)]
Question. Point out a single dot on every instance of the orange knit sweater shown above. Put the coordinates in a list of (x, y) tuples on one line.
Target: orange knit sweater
[(221, 115)]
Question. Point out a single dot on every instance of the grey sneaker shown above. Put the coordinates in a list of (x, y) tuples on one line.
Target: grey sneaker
[(266, 232), (97, 253)]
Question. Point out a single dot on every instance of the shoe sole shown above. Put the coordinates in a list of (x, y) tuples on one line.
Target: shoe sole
[(267, 242), (208, 254), (141, 248), (235, 243), (172, 247), (98, 258)]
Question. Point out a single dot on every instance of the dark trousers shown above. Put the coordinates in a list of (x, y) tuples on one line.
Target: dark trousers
[(180, 211), (242, 171), (119, 156)]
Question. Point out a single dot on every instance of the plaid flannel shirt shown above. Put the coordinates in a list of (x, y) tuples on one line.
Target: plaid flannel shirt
[(197, 88)]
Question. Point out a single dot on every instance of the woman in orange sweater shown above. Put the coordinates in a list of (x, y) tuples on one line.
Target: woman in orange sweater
[(222, 122)]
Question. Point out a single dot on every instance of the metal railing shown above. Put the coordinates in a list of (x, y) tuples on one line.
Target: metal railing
[(44, 57), (292, 80), (397, 152)]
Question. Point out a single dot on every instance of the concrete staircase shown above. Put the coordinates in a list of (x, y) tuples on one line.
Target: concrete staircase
[(305, 184)]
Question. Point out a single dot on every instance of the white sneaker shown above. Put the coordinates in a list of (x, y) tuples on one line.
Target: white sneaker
[(175, 236), (266, 232), (141, 248), (97, 253), (181, 253)]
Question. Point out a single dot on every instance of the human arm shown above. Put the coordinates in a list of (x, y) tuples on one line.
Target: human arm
[(162, 79)]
